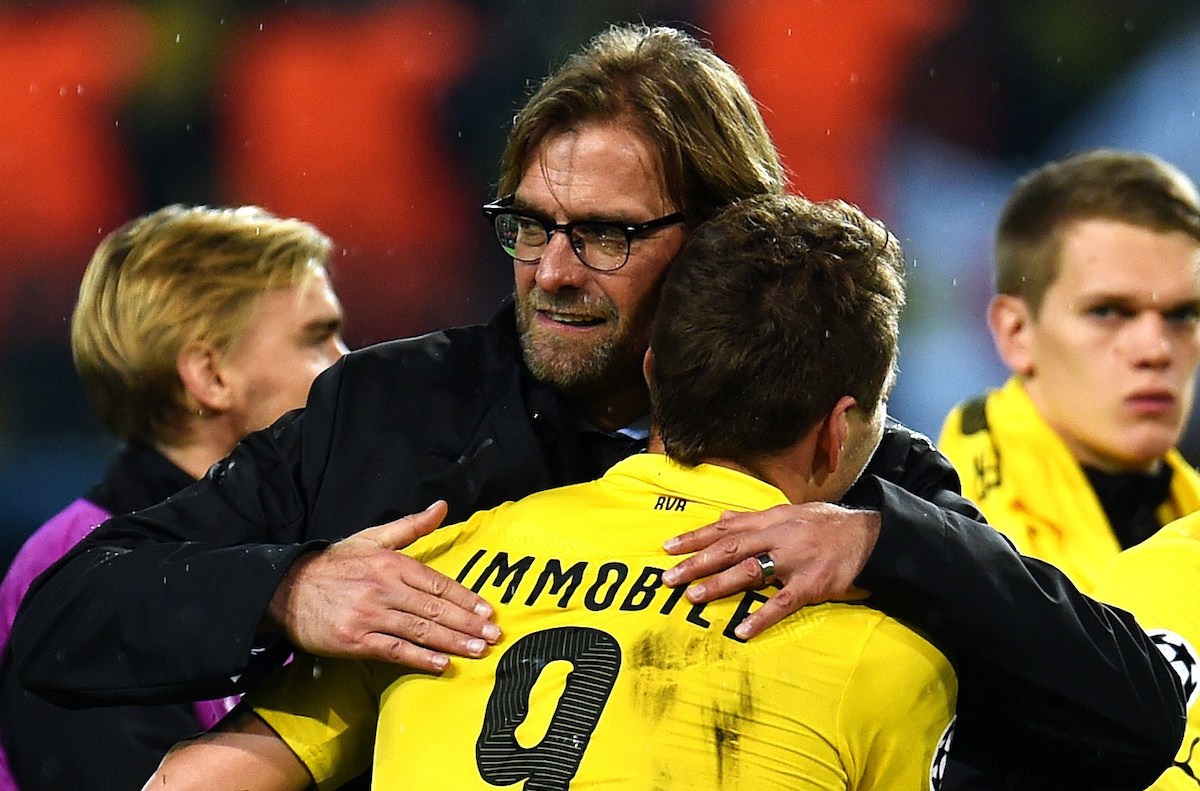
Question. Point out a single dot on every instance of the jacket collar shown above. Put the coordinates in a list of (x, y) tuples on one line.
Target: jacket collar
[(138, 477)]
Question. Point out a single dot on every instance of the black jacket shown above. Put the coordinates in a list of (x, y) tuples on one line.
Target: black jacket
[(165, 604)]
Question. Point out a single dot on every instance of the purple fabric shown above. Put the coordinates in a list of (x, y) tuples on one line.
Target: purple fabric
[(49, 543), (6, 779), (210, 712), (42, 549)]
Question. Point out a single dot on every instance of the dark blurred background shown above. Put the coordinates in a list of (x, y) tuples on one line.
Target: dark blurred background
[(382, 123)]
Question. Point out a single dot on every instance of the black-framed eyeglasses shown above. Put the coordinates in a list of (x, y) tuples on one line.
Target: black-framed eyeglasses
[(602, 245)]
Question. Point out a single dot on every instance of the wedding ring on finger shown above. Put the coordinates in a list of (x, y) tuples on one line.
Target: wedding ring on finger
[(766, 566)]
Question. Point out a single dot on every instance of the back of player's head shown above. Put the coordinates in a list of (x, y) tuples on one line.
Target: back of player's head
[(774, 310), (1124, 186), (177, 276), (691, 106)]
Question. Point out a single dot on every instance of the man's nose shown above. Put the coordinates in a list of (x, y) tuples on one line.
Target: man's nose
[(559, 267), (1149, 339)]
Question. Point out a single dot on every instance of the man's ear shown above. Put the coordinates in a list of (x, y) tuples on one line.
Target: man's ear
[(1012, 323), (647, 363), (199, 367), (832, 434)]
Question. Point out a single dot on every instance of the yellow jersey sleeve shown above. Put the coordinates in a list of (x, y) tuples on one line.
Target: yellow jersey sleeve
[(325, 710), (1159, 582)]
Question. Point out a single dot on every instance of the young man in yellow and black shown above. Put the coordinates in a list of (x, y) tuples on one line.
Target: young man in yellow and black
[(772, 354), (1097, 313), (642, 123)]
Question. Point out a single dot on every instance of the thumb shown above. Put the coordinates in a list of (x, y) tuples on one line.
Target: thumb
[(401, 532)]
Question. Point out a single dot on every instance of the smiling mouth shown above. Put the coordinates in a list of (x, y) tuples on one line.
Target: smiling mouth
[(571, 319)]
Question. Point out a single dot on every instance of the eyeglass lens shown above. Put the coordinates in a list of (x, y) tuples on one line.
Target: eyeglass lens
[(598, 245)]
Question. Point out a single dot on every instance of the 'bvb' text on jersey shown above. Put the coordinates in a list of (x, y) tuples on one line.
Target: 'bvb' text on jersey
[(1159, 582), (606, 678)]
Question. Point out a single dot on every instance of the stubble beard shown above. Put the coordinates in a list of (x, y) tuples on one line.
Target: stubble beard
[(576, 368)]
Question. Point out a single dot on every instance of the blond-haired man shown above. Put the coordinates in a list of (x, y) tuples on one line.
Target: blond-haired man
[(194, 326)]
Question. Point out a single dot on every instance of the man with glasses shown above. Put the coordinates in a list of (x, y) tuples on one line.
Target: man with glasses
[(197, 597)]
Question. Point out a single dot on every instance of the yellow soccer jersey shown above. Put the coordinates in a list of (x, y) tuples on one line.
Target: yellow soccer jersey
[(605, 678), (1030, 487), (1159, 582)]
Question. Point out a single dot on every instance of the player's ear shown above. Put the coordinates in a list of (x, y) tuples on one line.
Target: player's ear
[(199, 366), (832, 434), (647, 364), (1011, 321)]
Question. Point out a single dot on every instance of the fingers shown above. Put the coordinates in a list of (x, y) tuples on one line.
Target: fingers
[(718, 556), (701, 538), (448, 600), (742, 576), (421, 614), (774, 610), (817, 550), (428, 646), (413, 640), (436, 611), (358, 599), (401, 532), (387, 648), (785, 602)]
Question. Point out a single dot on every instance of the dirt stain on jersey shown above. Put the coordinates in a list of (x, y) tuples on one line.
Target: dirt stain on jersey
[(671, 679)]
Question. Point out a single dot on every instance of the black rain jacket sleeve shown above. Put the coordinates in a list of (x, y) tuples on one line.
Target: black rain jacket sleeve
[(1056, 690), (166, 603)]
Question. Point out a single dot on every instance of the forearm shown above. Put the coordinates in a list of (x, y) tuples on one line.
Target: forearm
[(242, 754), (161, 623), (165, 604), (1049, 677)]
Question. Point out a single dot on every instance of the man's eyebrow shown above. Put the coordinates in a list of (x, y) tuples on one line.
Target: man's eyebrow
[(615, 217), (1107, 298), (1183, 304), (1136, 302), (330, 324)]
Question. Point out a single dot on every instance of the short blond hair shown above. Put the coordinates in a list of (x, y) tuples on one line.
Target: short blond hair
[(177, 276)]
